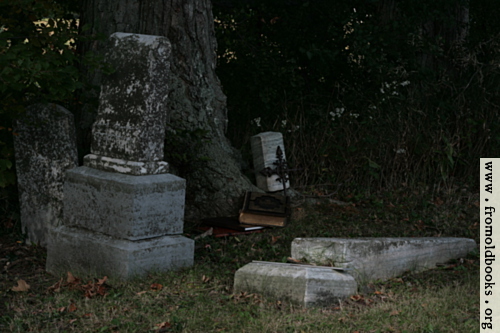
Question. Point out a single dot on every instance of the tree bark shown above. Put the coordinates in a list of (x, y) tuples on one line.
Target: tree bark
[(196, 100)]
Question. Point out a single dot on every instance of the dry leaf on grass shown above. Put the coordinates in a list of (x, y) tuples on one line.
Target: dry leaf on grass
[(21, 286), (71, 279), (165, 324), (90, 289), (72, 307), (156, 286)]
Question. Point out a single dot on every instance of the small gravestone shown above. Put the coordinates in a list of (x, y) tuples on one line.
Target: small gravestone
[(123, 213), (45, 148), (264, 150)]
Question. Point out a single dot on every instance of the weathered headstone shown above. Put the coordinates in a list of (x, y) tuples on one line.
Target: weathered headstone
[(123, 213), (264, 147), (45, 148), (381, 258), (129, 132)]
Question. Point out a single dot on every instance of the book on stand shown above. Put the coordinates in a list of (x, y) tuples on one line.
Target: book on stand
[(230, 223), (265, 209)]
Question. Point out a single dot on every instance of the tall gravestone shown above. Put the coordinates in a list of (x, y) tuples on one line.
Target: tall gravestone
[(45, 148), (123, 211), (264, 146)]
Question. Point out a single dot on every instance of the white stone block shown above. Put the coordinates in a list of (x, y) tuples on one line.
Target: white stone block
[(300, 284)]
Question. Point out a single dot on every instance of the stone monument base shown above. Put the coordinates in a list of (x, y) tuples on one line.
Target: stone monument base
[(91, 253), (124, 206)]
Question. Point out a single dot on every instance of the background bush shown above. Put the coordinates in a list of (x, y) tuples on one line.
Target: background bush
[(371, 94)]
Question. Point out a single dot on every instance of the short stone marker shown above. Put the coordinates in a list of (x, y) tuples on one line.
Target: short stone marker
[(381, 258), (264, 146), (303, 285), (45, 148), (123, 214)]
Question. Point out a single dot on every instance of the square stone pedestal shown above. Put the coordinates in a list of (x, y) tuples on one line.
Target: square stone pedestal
[(120, 225), (124, 206), (82, 251)]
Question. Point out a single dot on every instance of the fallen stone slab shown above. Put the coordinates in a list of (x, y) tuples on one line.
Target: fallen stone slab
[(84, 251), (303, 285), (381, 258)]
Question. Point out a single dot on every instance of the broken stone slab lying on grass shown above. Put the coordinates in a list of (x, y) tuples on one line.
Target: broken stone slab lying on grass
[(381, 258), (304, 285)]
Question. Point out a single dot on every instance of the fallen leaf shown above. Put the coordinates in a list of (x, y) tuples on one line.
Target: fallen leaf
[(395, 313), (205, 279), (61, 309), (156, 286), (72, 321), (378, 292), (165, 324), (274, 239), (356, 298), (71, 279), (56, 287), (141, 292), (102, 281), (21, 286), (72, 307)]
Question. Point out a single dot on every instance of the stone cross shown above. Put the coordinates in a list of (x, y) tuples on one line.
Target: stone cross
[(264, 150), (129, 132), (45, 148)]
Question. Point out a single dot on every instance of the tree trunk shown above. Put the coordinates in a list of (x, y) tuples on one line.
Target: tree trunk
[(197, 104)]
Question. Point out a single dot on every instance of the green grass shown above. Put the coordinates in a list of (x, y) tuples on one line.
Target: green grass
[(200, 299)]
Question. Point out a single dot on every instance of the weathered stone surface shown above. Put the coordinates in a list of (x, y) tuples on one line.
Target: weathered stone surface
[(124, 206), (45, 148), (381, 258), (132, 112), (123, 166), (91, 253), (301, 284), (264, 147)]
